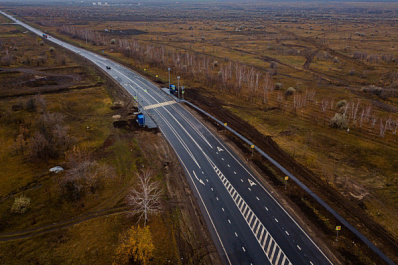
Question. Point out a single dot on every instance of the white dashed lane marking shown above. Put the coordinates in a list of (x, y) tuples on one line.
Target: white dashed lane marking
[(270, 247)]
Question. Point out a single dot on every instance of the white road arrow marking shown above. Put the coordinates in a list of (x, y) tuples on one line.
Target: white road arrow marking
[(251, 182), (219, 149), (201, 181)]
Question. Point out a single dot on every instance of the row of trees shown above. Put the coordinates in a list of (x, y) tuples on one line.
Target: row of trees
[(256, 85)]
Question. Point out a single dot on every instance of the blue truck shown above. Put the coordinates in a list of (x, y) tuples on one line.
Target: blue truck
[(173, 89), (141, 119)]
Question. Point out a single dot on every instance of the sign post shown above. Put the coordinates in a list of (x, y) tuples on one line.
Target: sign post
[(252, 147), (286, 179), (338, 228)]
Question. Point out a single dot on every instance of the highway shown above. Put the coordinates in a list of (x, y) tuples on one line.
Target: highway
[(247, 223)]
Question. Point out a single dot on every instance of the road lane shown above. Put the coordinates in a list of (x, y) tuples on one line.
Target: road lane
[(247, 223)]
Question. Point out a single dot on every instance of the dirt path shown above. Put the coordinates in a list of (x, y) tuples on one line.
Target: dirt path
[(23, 234)]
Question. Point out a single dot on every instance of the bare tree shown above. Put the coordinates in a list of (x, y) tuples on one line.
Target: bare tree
[(145, 199)]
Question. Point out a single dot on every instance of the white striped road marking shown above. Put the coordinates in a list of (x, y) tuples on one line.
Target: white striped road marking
[(229, 221), (258, 229), (249, 189), (159, 105), (266, 208), (262, 231), (265, 239), (244, 249), (257, 198), (247, 213), (273, 252), (276, 220), (241, 180), (269, 245), (235, 172), (284, 258), (287, 233), (298, 247), (223, 209), (236, 234), (251, 218), (277, 257)]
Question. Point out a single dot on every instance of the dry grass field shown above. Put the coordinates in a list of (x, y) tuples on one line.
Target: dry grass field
[(57, 110), (321, 80)]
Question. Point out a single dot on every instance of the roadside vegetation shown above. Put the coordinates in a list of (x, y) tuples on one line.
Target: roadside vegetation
[(325, 90), (69, 177)]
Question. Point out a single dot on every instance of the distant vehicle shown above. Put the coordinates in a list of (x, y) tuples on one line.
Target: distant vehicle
[(45, 35), (108, 67)]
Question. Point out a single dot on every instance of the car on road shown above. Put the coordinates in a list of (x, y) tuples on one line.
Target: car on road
[(108, 67)]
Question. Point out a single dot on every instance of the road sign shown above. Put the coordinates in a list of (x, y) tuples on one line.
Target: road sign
[(225, 124), (286, 178), (338, 228), (157, 76), (252, 146)]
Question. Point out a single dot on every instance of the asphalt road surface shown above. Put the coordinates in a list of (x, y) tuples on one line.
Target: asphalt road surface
[(247, 223)]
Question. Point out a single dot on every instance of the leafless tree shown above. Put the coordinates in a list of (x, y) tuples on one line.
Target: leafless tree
[(267, 86), (396, 127), (362, 117), (374, 120), (83, 174), (324, 104), (145, 199)]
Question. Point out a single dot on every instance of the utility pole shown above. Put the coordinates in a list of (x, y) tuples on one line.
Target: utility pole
[(178, 78), (168, 69)]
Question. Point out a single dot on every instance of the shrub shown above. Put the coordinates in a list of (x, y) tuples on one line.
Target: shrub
[(339, 121), (30, 105), (278, 86), (20, 205), (113, 41), (52, 49), (341, 104), (289, 91)]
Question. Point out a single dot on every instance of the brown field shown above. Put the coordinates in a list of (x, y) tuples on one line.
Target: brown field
[(38, 83), (238, 61)]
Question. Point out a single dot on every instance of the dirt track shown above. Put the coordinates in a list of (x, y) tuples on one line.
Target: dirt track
[(349, 208)]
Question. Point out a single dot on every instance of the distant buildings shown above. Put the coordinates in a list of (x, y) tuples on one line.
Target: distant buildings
[(100, 4)]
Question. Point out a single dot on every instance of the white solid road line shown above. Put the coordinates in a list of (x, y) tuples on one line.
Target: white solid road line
[(172, 128)]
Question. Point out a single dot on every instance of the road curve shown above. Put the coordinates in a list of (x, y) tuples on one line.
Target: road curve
[(247, 223)]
